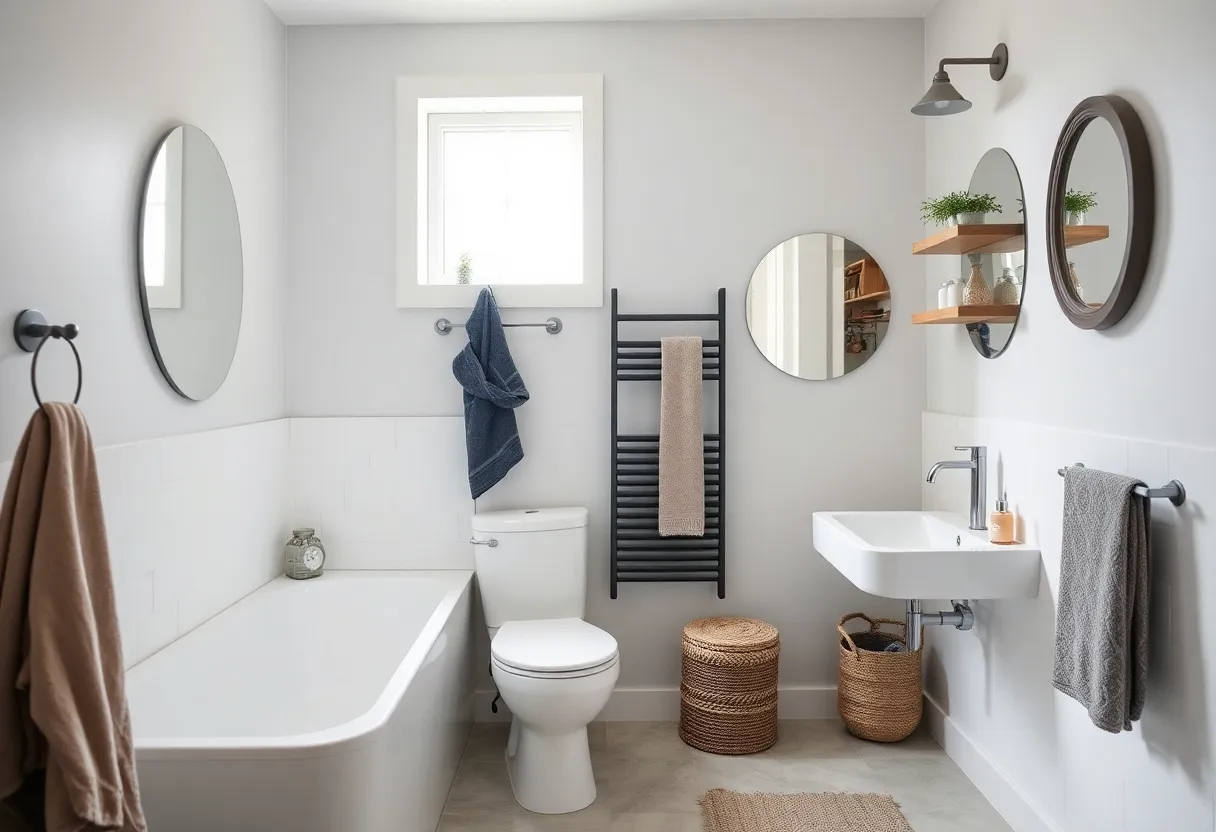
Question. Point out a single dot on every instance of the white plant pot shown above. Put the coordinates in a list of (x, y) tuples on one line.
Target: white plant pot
[(1075, 218), (972, 218)]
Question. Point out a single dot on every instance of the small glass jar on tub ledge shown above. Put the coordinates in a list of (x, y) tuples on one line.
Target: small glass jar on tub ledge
[(304, 556)]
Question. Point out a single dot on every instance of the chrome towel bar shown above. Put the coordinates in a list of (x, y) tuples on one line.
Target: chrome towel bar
[(552, 326), (1172, 490)]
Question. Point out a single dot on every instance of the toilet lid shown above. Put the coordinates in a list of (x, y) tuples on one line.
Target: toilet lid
[(555, 645)]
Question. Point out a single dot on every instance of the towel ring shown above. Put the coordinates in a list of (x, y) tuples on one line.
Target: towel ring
[(31, 333)]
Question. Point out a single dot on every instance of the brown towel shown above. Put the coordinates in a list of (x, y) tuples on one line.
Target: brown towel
[(681, 459), (62, 703)]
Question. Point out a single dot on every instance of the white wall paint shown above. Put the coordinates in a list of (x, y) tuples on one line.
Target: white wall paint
[(721, 140), (1058, 395), (87, 92)]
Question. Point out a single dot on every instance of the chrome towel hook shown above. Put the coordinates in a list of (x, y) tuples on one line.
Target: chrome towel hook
[(31, 332)]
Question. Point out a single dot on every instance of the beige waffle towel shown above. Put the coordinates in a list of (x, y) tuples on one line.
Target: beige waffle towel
[(681, 460), (63, 709)]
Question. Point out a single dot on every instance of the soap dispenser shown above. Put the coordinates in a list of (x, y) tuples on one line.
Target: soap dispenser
[(1001, 522)]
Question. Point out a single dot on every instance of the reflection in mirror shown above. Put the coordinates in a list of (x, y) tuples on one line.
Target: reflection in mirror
[(1004, 270), (818, 306), (1095, 205), (191, 268)]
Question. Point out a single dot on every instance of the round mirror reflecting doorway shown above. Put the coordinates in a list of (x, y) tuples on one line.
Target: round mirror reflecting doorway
[(818, 306)]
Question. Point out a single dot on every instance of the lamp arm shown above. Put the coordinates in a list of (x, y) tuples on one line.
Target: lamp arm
[(941, 65)]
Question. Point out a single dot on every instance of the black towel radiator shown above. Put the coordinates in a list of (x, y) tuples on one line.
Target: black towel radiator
[(638, 554)]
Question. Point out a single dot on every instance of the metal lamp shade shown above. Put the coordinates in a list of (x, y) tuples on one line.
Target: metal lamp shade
[(942, 99)]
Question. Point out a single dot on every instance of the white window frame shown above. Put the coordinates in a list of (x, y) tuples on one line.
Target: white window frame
[(420, 96)]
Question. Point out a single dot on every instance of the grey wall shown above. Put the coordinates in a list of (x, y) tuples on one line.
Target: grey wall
[(717, 147), (87, 91)]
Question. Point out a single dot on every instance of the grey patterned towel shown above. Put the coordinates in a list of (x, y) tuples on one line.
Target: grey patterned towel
[(681, 455), (1101, 655)]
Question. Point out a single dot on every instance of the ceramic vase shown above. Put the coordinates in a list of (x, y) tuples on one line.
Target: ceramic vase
[(1075, 280), (1075, 218), (976, 291), (1006, 292)]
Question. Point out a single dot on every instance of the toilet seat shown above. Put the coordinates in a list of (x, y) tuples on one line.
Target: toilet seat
[(558, 648), (569, 674)]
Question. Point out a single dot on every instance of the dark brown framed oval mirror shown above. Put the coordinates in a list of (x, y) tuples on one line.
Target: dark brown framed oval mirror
[(1101, 207)]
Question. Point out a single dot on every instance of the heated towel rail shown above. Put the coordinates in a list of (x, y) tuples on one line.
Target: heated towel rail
[(639, 554)]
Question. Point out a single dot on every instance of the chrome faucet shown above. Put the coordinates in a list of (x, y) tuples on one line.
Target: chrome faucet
[(978, 465)]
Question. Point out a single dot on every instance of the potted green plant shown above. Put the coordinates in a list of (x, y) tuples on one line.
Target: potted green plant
[(959, 208), (464, 271), (1076, 204)]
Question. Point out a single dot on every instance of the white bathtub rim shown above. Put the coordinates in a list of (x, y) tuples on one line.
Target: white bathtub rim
[(337, 739)]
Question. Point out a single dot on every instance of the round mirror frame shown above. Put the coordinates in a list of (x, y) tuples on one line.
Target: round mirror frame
[(1141, 210)]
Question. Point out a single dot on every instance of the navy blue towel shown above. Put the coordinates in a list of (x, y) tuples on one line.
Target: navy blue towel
[(492, 391)]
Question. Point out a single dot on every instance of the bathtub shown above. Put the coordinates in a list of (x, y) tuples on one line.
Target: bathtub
[(338, 704)]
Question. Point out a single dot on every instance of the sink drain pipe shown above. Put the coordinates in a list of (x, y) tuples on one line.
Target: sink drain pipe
[(961, 618)]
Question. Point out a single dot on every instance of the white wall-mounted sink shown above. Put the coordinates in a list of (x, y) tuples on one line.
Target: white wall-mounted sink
[(924, 554)]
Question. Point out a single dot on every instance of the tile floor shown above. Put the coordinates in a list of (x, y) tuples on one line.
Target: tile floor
[(649, 781)]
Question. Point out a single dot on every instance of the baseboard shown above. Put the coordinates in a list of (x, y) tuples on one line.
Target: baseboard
[(1019, 811), (663, 704)]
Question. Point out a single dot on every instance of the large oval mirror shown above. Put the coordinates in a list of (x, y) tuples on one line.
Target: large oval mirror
[(1100, 211), (818, 306), (191, 270), (1003, 264)]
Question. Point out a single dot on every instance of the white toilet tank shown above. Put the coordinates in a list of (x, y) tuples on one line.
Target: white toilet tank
[(538, 569)]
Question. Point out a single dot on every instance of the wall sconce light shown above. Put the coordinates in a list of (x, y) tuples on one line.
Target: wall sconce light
[(943, 99)]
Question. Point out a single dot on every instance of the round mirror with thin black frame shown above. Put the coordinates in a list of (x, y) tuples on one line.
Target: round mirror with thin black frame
[(191, 266), (818, 306), (1002, 264)]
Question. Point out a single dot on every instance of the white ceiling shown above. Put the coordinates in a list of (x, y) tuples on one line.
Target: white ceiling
[(295, 12)]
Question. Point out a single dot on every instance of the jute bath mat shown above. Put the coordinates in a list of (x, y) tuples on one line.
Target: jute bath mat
[(726, 811)]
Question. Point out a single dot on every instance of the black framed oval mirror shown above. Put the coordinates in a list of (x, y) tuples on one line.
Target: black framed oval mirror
[(1100, 211), (191, 266), (1004, 264)]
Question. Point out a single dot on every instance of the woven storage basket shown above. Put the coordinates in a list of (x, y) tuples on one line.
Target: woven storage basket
[(728, 693), (878, 694)]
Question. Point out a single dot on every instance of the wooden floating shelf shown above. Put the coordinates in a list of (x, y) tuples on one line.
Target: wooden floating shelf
[(999, 239), (990, 314), (870, 297)]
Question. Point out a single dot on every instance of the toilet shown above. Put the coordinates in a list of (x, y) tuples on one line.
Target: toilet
[(553, 670)]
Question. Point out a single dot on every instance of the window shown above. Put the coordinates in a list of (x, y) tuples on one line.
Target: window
[(500, 183)]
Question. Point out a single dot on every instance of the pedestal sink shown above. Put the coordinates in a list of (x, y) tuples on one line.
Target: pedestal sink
[(923, 554)]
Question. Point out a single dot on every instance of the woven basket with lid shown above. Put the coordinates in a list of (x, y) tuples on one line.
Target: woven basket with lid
[(728, 689)]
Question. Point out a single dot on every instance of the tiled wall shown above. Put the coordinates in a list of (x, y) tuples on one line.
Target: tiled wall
[(994, 683), (383, 493), (198, 521), (195, 522)]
